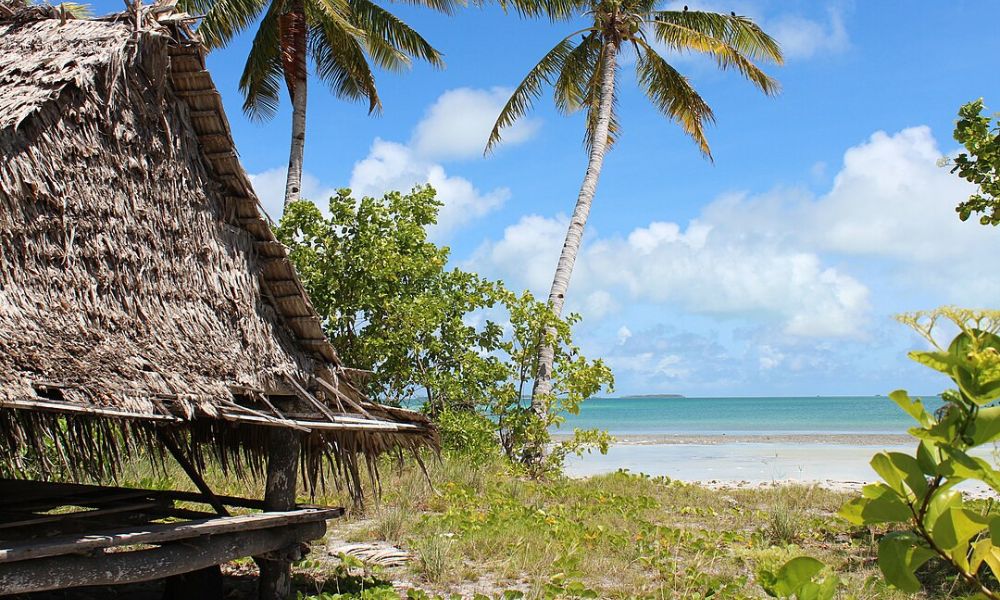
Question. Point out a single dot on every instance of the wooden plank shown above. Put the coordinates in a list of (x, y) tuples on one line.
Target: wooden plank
[(160, 533), (143, 565), (276, 421), (20, 486), (67, 407), (82, 514), (91, 499), (336, 392)]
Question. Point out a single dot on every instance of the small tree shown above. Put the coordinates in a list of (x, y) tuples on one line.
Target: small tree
[(391, 306), (575, 378), (980, 163), (388, 302)]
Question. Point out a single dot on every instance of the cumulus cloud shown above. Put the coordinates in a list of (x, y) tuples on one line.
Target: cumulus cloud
[(458, 124), (889, 202), (455, 126), (696, 269), (393, 166), (662, 359), (805, 38), (783, 257)]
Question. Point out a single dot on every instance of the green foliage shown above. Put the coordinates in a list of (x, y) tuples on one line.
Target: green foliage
[(391, 306), (918, 491), (575, 378), (980, 163), (469, 434), (350, 578), (798, 578)]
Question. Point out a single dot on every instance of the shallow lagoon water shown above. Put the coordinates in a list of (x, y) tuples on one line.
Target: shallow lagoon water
[(780, 439)]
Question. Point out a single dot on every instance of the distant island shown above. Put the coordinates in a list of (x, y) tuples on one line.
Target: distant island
[(655, 396)]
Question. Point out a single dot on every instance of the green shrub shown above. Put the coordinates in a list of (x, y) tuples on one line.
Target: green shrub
[(918, 492), (469, 434)]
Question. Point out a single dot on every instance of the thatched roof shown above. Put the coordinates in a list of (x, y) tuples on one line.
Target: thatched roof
[(140, 282)]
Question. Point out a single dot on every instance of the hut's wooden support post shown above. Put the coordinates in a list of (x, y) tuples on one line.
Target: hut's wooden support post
[(275, 582), (175, 450)]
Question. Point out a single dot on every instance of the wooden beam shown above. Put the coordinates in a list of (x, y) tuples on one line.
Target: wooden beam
[(68, 493), (143, 565), (82, 514), (250, 411), (211, 499), (160, 533), (336, 392), (68, 407)]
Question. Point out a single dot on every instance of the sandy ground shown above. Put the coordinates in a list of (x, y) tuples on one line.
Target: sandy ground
[(833, 461)]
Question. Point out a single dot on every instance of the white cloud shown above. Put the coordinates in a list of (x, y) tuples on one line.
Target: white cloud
[(805, 38), (696, 269), (270, 188), (455, 126), (458, 124), (890, 201), (391, 166), (624, 333), (788, 257)]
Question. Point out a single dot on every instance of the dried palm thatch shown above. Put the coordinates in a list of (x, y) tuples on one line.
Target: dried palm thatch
[(141, 286)]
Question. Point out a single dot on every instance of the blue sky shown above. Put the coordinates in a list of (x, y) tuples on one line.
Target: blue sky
[(774, 271)]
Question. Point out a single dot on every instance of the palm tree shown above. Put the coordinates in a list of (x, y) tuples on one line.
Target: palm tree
[(582, 70), (343, 39)]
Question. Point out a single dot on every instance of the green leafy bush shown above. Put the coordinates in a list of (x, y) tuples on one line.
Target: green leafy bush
[(918, 491), (390, 306), (980, 163), (469, 434)]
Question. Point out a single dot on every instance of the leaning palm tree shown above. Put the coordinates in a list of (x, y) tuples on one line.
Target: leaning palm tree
[(582, 70), (343, 39)]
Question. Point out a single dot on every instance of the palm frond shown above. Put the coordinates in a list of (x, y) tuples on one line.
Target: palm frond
[(530, 88), (725, 47), (692, 30), (554, 10), (390, 41), (225, 18), (340, 61), (336, 12), (571, 88), (673, 95), (447, 7), (592, 101), (262, 73)]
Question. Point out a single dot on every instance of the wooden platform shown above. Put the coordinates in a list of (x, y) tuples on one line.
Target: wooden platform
[(57, 535)]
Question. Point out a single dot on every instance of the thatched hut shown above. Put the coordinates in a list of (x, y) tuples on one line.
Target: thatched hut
[(146, 307)]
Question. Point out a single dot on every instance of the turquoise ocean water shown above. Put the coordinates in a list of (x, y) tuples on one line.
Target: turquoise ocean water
[(744, 416)]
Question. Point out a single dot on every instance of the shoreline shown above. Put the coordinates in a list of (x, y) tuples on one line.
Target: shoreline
[(838, 439)]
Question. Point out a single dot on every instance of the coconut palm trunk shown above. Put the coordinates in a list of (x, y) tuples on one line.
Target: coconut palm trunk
[(542, 388), (293, 58)]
